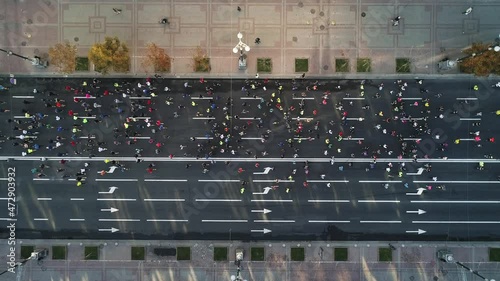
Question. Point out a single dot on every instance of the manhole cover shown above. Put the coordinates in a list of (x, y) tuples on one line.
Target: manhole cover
[(363, 14), (325, 67), (294, 39), (313, 11), (76, 39), (30, 21), (321, 13), (23, 43), (322, 27), (301, 4), (36, 51)]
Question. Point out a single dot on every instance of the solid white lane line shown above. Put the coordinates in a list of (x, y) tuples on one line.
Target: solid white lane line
[(218, 200), (460, 222), (167, 180), (320, 221), (378, 201), (353, 98), (454, 202), (77, 199), (273, 180), (139, 98), (115, 199), (129, 220), (76, 219), (380, 221), (23, 97), (272, 200), (485, 182), (218, 180), (327, 201), (273, 221), (224, 220), (466, 98), (162, 220), (249, 138), (304, 98), (375, 181), (164, 200), (470, 119), (250, 98), (40, 219), (115, 179), (203, 118), (44, 199), (344, 181)]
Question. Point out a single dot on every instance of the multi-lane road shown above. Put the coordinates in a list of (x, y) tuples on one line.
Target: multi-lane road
[(365, 193)]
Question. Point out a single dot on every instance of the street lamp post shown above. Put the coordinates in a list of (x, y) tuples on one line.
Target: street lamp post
[(242, 62)]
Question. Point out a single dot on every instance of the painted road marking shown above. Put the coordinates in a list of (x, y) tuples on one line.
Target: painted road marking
[(219, 180), (203, 118), (167, 180), (125, 220), (353, 139), (478, 182), (378, 201), (274, 221), (44, 199), (272, 200), (327, 201), (77, 199), (273, 180), (40, 219), (139, 98), (470, 119), (466, 98), (249, 138), (115, 179), (23, 97), (460, 222), (76, 219), (373, 181), (380, 221), (249, 118), (304, 98), (411, 98), (355, 119), (84, 97), (224, 220), (115, 199), (139, 138), (164, 200), (353, 98), (204, 138), (202, 98), (334, 181), (218, 200), (320, 221), (454, 202), (7, 219), (251, 98), (162, 220)]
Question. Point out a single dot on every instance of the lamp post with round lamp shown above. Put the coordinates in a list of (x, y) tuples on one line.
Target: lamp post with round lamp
[(242, 62)]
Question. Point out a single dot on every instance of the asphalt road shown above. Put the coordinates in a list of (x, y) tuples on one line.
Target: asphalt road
[(354, 198)]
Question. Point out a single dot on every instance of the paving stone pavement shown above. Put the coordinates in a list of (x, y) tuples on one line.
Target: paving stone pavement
[(412, 261), (319, 30)]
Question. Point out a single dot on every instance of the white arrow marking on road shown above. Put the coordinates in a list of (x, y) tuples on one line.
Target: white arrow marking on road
[(111, 170), (265, 211), (112, 230), (111, 210), (419, 231), (418, 173), (419, 192), (265, 230), (419, 211), (266, 190), (111, 190), (266, 171)]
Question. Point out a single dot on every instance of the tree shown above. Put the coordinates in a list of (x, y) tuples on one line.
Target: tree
[(481, 60), (63, 56), (201, 62), (112, 54), (158, 58)]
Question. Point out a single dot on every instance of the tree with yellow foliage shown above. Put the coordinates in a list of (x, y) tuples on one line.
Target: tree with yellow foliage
[(63, 56), (482, 60), (112, 54), (157, 58)]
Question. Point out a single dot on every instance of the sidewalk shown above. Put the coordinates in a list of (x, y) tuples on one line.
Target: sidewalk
[(321, 31), (413, 261)]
